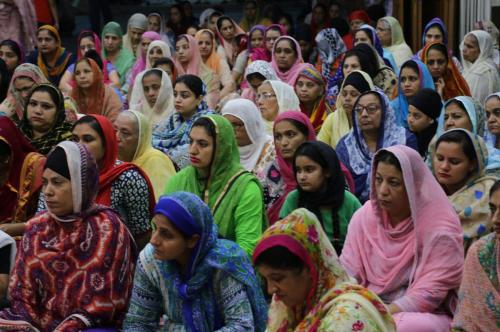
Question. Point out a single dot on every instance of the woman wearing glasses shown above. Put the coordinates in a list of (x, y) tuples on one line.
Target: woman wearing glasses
[(374, 127)]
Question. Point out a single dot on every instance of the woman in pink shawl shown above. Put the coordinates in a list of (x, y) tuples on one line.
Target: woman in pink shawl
[(405, 243), (286, 59), (232, 39), (140, 64)]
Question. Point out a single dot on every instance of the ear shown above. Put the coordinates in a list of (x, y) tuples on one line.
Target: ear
[(193, 241)]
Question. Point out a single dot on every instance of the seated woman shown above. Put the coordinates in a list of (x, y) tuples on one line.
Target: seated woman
[(255, 146), (462, 112), (232, 41), (331, 49), (171, 135), (367, 34), (392, 38), (286, 59), (168, 66), (405, 244), (492, 112), (140, 63), (12, 54), (25, 77), (374, 127), (256, 73), (44, 122), (21, 170), (198, 281), (216, 175), (274, 98), (133, 132), (413, 76), (322, 189), (339, 123), (310, 88), (50, 56), (479, 295), (311, 290), (59, 281), (114, 52), (91, 94), (459, 162)]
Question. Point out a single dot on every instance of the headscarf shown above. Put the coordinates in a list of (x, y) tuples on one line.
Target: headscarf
[(474, 111), (200, 311), (291, 74), (454, 83), (330, 46), (194, 57), (98, 49), (286, 98), (422, 252), (213, 60), (139, 21), (13, 106), (399, 49), (125, 59), (377, 45), (60, 130), (165, 51), (16, 48), (355, 15), (261, 67), (251, 117), (53, 68), (228, 46), (302, 235), (162, 33), (257, 53), (205, 15), (140, 63), (400, 103), (489, 138), (482, 76)]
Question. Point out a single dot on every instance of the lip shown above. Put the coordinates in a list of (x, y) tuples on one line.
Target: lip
[(444, 175), (36, 119), (406, 90), (194, 160), (283, 151), (384, 202)]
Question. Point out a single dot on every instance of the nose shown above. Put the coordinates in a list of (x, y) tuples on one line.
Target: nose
[(383, 189), (154, 239), (495, 217), (270, 288), (445, 165)]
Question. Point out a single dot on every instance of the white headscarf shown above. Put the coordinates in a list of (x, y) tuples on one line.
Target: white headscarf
[(139, 21), (251, 117), (286, 97), (165, 50)]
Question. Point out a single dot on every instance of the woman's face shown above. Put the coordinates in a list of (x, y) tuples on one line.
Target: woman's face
[(409, 82), (436, 62), (155, 54), (307, 90), (86, 44), (257, 39), (267, 102), (271, 37), (24, 85), (417, 120), (46, 43), (391, 191), (10, 57), (334, 11), (285, 55), (41, 111), (191, 31), (135, 35), (167, 69), (348, 98), (201, 148), (151, 85), (175, 15), (310, 176), (57, 191), (350, 64), (287, 138), (369, 112), (205, 44), (456, 117), (185, 101), (182, 50), (255, 82), (289, 286), (227, 30), (361, 37), (286, 24), (433, 35), (145, 41), (492, 108), (495, 212), (154, 23), (355, 24), (451, 166), (127, 135), (471, 49), (240, 132), (319, 14), (384, 33), (84, 75), (83, 133), (168, 243), (112, 42)]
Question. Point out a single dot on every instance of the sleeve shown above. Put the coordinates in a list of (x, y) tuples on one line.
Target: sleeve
[(241, 61), (411, 141), (325, 133), (226, 78), (41, 206), (113, 105), (249, 218), (289, 205)]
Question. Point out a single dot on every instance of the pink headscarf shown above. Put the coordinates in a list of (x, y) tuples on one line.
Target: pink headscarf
[(416, 265), (231, 53), (289, 76), (140, 63), (193, 66)]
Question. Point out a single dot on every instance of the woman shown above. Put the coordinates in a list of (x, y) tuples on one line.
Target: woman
[(374, 127), (286, 59), (274, 98), (273, 32), (189, 61), (310, 288), (114, 52), (256, 44), (331, 48), (322, 189), (205, 284), (157, 50), (256, 73), (479, 294), (413, 76), (136, 26), (122, 186), (12, 54), (91, 94), (156, 23), (50, 56), (310, 88), (207, 45), (21, 170), (176, 20), (391, 36), (492, 111), (462, 112), (410, 231), (44, 122), (356, 19), (19, 23), (25, 77), (367, 34), (171, 135), (459, 162), (254, 144), (448, 81), (133, 133), (480, 71), (140, 63), (232, 40), (339, 123), (216, 175), (78, 236)]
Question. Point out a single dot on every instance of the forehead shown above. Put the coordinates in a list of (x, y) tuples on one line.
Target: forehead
[(83, 65), (388, 170), (136, 30), (284, 43), (200, 133), (471, 39), (434, 30), (45, 33), (408, 71), (454, 107), (182, 42), (226, 23), (304, 79), (85, 129), (42, 96), (265, 87), (435, 54), (369, 98), (87, 40), (233, 119), (151, 79), (285, 125), (126, 121), (492, 102)]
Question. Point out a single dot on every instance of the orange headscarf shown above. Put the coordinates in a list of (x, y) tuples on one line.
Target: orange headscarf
[(213, 61), (96, 91), (60, 60)]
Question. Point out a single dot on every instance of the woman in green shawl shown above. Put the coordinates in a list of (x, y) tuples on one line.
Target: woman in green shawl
[(216, 175), (113, 51)]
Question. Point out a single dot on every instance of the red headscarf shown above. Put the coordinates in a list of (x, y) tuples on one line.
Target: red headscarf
[(98, 49), (355, 15), (95, 93)]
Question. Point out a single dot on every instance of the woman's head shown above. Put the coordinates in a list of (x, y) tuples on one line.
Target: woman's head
[(226, 28), (384, 32), (48, 40), (368, 111), (11, 53), (492, 108), (290, 131), (285, 53), (246, 120), (434, 34), (189, 91), (183, 53), (45, 107), (456, 116), (157, 49), (256, 37), (470, 49), (310, 86), (272, 34), (259, 71), (176, 14), (151, 85), (88, 131), (361, 36), (86, 42), (361, 57), (154, 22), (437, 60), (202, 144), (112, 37), (267, 101), (127, 135), (146, 39), (205, 40), (423, 110), (167, 65), (84, 73), (355, 83), (495, 207), (409, 79)]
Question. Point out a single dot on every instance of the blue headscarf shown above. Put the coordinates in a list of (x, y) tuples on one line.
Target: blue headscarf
[(190, 215), (384, 54), (436, 22), (474, 110), (400, 103)]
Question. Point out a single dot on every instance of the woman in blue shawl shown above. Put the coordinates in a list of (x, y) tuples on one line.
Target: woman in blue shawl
[(197, 281)]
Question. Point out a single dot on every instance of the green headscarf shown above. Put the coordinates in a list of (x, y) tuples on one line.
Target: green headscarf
[(125, 59)]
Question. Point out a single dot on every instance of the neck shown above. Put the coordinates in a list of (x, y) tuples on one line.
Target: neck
[(188, 115), (371, 137), (38, 134), (397, 218), (204, 172), (309, 107), (205, 57), (112, 55), (183, 262), (450, 189)]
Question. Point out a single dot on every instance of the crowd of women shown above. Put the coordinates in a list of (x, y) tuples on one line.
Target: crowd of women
[(203, 175)]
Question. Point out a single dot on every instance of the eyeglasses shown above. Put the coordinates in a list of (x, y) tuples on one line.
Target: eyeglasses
[(265, 95), (370, 109)]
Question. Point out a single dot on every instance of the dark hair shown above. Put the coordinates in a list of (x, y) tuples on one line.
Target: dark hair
[(279, 257), (273, 28), (299, 125), (208, 125), (194, 83), (55, 95), (367, 59), (375, 12), (412, 65), (86, 34), (92, 54), (216, 13), (440, 48), (153, 72), (255, 75), (94, 124), (292, 44), (493, 189), (164, 61), (14, 47), (341, 26), (387, 157), (460, 137), (290, 20), (221, 19)]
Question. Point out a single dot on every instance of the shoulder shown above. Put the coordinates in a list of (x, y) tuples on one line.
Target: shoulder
[(351, 200)]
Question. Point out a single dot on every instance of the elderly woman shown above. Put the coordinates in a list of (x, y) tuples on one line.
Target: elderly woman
[(59, 281), (391, 36), (136, 26)]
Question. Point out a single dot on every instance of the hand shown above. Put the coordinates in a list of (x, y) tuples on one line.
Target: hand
[(440, 86)]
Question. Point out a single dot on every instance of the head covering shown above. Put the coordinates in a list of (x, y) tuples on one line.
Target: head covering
[(291, 74), (330, 46), (164, 105), (278, 27), (95, 104), (138, 21), (53, 68), (125, 60), (205, 15), (399, 49), (165, 51), (213, 60), (190, 215), (249, 114), (302, 235), (436, 22), (60, 130), (95, 38), (286, 98), (489, 138), (263, 68), (194, 57), (231, 52), (359, 15), (422, 252), (140, 63), (16, 48), (57, 161), (474, 111)]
